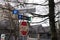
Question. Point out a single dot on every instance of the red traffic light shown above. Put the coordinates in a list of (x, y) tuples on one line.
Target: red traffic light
[(24, 23)]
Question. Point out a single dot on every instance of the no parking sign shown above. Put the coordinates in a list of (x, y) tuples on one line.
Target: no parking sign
[(23, 28)]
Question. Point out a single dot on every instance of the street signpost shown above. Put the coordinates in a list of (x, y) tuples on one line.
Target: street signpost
[(22, 17)]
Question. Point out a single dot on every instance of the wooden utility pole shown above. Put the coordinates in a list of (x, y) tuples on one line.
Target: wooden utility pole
[(52, 19)]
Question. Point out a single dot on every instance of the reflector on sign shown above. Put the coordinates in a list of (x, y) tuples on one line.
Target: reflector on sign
[(15, 11), (24, 32), (20, 16), (24, 23)]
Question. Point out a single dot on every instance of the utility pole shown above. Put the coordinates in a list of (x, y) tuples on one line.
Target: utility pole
[(52, 20)]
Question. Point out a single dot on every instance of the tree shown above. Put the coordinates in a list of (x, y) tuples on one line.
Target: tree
[(52, 19)]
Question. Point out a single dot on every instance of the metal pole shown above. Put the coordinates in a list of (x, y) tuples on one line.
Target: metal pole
[(52, 19), (23, 37)]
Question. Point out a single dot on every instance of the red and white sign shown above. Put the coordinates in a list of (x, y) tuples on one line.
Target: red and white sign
[(23, 28)]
